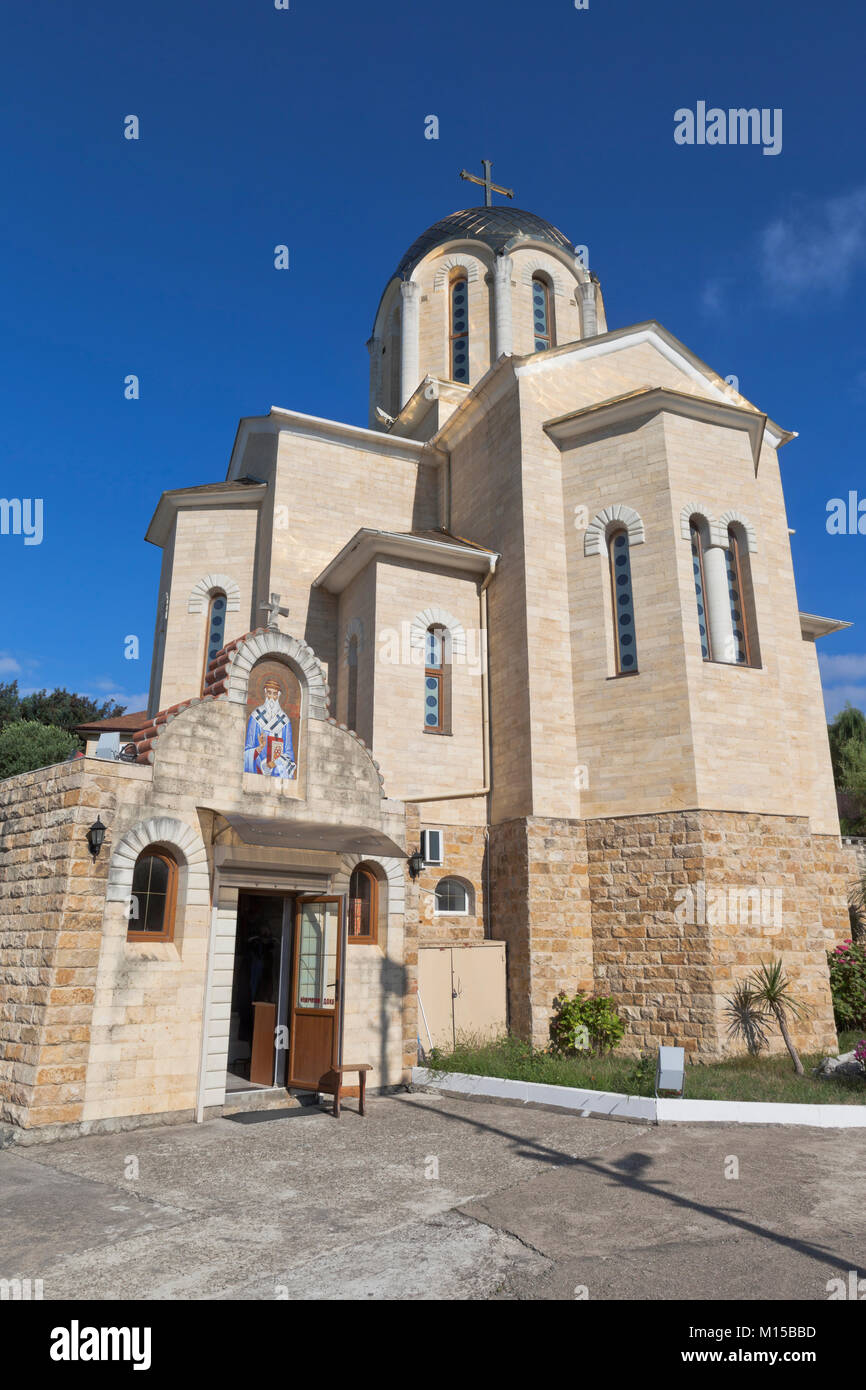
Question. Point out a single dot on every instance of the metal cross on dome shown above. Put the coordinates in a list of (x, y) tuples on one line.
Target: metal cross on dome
[(487, 183), (274, 611)]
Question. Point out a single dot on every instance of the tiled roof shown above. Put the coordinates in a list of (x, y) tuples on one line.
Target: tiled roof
[(119, 723)]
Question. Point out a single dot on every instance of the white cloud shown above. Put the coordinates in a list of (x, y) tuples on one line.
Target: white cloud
[(816, 245), (9, 666), (848, 666), (837, 696)]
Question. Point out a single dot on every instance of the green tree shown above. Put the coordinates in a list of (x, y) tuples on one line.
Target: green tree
[(847, 734), (25, 744), (9, 702), (65, 710)]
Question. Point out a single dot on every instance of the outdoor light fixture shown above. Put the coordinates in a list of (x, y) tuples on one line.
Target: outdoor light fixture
[(95, 836), (670, 1072), (416, 863)]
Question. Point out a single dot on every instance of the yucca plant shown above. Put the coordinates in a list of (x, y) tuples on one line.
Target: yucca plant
[(772, 992), (747, 1020)]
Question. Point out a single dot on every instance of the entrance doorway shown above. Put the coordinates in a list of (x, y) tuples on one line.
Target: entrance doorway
[(286, 1008)]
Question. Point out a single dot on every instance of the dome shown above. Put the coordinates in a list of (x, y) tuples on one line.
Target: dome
[(497, 227)]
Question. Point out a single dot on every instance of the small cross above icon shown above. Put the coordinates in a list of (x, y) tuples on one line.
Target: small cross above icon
[(274, 611)]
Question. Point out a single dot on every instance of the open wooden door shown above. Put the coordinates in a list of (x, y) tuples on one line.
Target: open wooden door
[(317, 982)]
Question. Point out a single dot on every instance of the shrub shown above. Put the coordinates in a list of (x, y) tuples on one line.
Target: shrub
[(583, 1023), (860, 1051), (848, 984), (26, 745)]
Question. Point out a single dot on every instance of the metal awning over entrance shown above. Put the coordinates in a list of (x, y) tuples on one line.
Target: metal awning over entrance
[(312, 835)]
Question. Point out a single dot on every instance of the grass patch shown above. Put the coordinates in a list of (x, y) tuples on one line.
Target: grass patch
[(738, 1078)]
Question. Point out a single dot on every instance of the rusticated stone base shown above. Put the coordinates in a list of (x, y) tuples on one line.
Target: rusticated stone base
[(685, 905), (540, 902)]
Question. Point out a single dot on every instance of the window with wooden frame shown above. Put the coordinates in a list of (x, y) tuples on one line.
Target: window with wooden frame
[(459, 328), (153, 899), (622, 600), (741, 599), (363, 906), (437, 679), (698, 549), (352, 701), (216, 631), (542, 325)]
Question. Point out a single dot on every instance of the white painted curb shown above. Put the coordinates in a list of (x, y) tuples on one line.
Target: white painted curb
[(745, 1112)]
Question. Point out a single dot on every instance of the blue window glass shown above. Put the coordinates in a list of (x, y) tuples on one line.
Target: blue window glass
[(460, 329), (216, 626), (700, 591), (735, 597), (541, 314), (623, 603)]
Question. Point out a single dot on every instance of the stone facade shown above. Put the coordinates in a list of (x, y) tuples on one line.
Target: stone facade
[(596, 821)]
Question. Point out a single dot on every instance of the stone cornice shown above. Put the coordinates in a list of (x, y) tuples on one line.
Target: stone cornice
[(647, 401), (366, 544)]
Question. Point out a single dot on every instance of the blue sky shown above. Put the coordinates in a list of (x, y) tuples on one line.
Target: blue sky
[(306, 127)]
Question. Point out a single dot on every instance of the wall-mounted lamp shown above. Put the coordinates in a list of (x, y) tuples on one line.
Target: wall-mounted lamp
[(95, 836), (416, 863)]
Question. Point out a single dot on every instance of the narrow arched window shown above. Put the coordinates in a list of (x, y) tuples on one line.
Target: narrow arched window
[(452, 897), (216, 630), (153, 899), (352, 704), (541, 317), (459, 328), (437, 672), (623, 603), (741, 599), (698, 549), (363, 905)]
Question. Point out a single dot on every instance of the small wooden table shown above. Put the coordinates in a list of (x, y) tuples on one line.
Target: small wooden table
[(339, 1089)]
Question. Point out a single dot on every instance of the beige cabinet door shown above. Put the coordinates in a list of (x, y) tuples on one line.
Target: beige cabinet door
[(478, 989), (435, 1011)]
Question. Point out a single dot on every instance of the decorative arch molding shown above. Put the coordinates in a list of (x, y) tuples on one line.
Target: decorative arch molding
[(268, 642), (437, 617), (355, 628), (595, 539), (733, 517), (718, 534), (200, 593), (453, 262), (392, 870), (163, 830), (536, 266)]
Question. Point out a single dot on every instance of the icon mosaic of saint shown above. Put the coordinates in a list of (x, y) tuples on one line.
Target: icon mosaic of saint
[(268, 749)]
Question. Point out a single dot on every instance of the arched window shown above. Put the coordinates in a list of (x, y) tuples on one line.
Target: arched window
[(623, 602), (741, 599), (216, 630), (352, 704), (154, 896), (437, 671), (541, 318), (363, 905), (699, 542), (452, 897), (459, 328)]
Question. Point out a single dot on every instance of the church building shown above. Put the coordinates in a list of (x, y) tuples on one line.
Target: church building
[(506, 691)]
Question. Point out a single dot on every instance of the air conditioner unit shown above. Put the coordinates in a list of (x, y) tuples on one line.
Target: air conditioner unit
[(432, 848)]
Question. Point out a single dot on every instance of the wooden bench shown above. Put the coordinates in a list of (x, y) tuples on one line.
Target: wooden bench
[(340, 1090)]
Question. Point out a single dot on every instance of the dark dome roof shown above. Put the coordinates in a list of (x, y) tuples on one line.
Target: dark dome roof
[(496, 227)]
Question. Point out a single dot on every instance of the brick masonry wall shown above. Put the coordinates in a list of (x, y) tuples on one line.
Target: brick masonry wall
[(669, 956)]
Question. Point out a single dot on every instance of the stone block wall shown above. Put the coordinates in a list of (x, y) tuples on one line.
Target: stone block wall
[(686, 904), (51, 897), (541, 909)]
